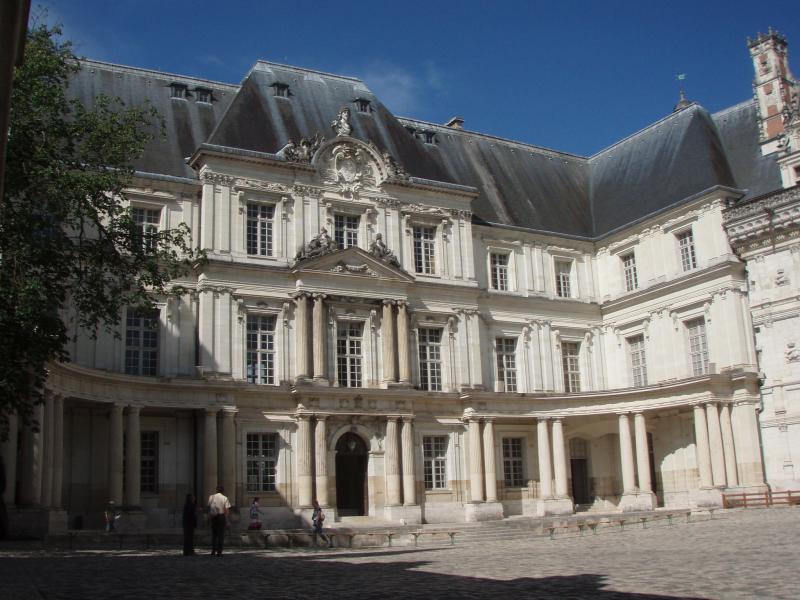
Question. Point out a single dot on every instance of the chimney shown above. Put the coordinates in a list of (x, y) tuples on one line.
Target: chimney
[(455, 123)]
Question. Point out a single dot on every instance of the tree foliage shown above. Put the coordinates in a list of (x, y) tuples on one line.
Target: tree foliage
[(69, 247)]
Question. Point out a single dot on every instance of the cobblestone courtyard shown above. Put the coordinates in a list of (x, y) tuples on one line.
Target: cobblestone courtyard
[(738, 554)]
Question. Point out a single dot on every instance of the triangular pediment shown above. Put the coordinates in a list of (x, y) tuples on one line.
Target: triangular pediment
[(352, 262)]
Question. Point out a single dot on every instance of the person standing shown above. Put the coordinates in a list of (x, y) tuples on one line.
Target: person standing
[(189, 524), (218, 508), (317, 519), (255, 515)]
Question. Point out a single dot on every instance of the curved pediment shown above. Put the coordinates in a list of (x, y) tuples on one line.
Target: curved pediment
[(351, 165)]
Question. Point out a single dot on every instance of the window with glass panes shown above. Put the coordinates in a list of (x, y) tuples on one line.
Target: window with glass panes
[(686, 245), (512, 462), (424, 244), (507, 363), (147, 221), (629, 267), (345, 230), (260, 221), (262, 459), (638, 360), (148, 481), (141, 342), (348, 353), (434, 452), (570, 362), (261, 349), (563, 279), (430, 358), (698, 346), (499, 266)]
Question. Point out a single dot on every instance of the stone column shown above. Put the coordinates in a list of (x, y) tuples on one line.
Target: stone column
[(703, 453), (642, 452), (133, 458), (319, 338), (304, 480), (403, 356), (387, 332), (409, 477), (728, 446), (47, 451), (392, 463), (545, 472), (715, 445), (559, 459), (10, 460), (31, 492), (475, 461), (115, 454), (321, 460), (626, 455), (58, 451), (301, 340), (489, 461), (228, 453), (210, 473)]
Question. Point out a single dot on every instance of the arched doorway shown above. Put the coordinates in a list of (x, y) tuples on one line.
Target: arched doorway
[(351, 475), (579, 467)]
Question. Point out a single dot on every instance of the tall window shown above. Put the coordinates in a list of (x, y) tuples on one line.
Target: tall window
[(512, 462), (430, 359), (434, 452), (638, 361), (424, 244), (260, 219), (147, 221), (564, 279), (686, 245), (507, 363), (148, 481), (698, 346), (141, 342), (345, 231), (629, 267), (261, 349), (570, 361), (348, 353), (499, 267), (262, 458)]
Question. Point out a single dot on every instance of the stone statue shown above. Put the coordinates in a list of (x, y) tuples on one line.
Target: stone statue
[(319, 245), (379, 250), (394, 169), (302, 152), (341, 124)]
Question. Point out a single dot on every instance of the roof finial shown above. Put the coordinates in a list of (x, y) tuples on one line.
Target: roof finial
[(683, 102)]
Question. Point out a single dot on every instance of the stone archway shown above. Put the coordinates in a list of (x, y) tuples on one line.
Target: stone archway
[(351, 475)]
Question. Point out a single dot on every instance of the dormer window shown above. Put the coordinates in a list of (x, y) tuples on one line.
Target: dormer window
[(411, 130), (430, 137), (203, 95), (281, 90), (178, 91), (363, 105)]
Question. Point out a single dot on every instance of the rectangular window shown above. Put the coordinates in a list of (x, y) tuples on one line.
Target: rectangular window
[(686, 245), (141, 342), (564, 279), (638, 361), (570, 362), (430, 359), (262, 458), (260, 219), (261, 349), (499, 266), (512, 462), (507, 364), (698, 346), (348, 353), (424, 244), (631, 277), (434, 452), (177, 90), (345, 231), (148, 482), (203, 95), (147, 221)]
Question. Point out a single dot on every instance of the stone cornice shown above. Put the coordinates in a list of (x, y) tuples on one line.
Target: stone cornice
[(750, 223)]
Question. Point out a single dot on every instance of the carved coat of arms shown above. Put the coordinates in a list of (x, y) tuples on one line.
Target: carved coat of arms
[(349, 168)]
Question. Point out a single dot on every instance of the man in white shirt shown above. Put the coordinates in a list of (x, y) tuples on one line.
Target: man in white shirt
[(218, 508)]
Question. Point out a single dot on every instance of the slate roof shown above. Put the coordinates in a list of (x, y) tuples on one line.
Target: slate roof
[(518, 184)]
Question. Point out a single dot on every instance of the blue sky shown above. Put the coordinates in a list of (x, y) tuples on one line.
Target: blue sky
[(568, 75)]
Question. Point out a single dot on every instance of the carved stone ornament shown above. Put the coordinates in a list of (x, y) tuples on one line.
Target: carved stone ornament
[(394, 170), (341, 124), (792, 353), (379, 250), (349, 167), (358, 269), (319, 245), (303, 151), (781, 278)]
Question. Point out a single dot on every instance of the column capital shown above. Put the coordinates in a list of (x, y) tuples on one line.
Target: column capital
[(133, 408), (321, 417), (302, 416), (544, 419), (229, 411), (211, 411), (407, 419), (488, 419), (557, 419), (319, 296), (300, 295), (393, 417), (388, 302)]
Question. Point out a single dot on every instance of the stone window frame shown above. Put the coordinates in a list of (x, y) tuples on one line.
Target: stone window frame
[(686, 321), (154, 490), (278, 428), (178, 91), (138, 203), (447, 462), (204, 95), (259, 306), (261, 459), (630, 272), (447, 323), (279, 218), (500, 384), (511, 267), (363, 210), (522, 460), (365, 358), (582, 383), (275, 336), (159, 312), (636, 378), (442, 346)]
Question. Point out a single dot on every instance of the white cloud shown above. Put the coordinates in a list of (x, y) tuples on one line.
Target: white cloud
[(402, 89)]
